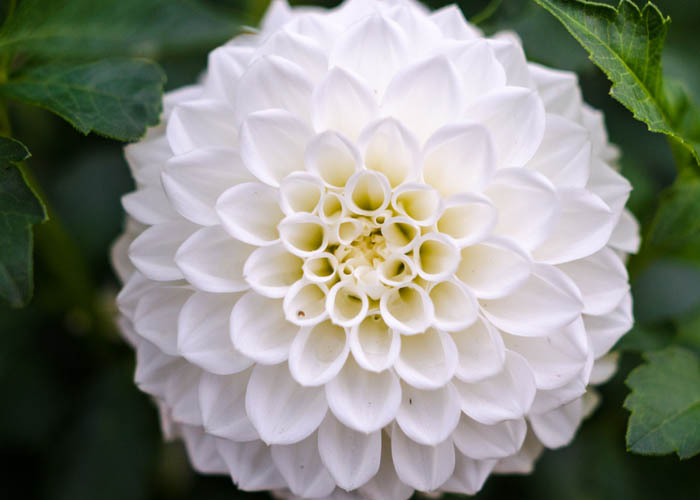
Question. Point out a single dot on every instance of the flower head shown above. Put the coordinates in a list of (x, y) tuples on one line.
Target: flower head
[(374, 251)]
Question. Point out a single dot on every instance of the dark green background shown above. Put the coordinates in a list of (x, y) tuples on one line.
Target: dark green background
[(74, 427)]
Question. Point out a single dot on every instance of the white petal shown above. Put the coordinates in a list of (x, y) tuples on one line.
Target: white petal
[(467, 218), (277, 15), (270, 271), (418, 202), (557, 427), (480, 350), (300, 192), (363, 400), (212, 261), (493, 268), (422, 33), (304, 235), (222, 400), (201, 450), (305, 303), (478, 68), (609, 184), (195, 180), (469, 475), (301, 50), (548, 300), (273, 83), (602, 280), (527, 204), (604, 368), (548, 400), (479, 441), (320, 268), (154, 369), (331, 207), (119, 253), (201, 124), (452, 23), (428, 417), (149, 206), (314, 23), (250, 465), (584, 227), (225, 66), (333, 158), (373, 49), (273, 144), (250, 212), (424, 468), (459, 159), (318, 353), (203, 334), (424, 97), (388, 147), (182, 395), (407, 309), (455, 305), (554, 359), (509, 52), (352, 458), (604, 331), (401, 235), (565, 153), (282, 411), (156, 316), (427, 360), (374, 345), (523, 462), (133, 290), (153, 251), (259, 329), (515, 118), (625, 236), (507, 395), (300, 465), (342, 102), (146, 158), (436, 257), (367, 193), (560, 91), (386, 484)]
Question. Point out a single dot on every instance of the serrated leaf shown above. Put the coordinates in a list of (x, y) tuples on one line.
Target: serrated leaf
[(626, 43), (118, 98), (89, 29), (19, 210), (665, 404), (676, 225)]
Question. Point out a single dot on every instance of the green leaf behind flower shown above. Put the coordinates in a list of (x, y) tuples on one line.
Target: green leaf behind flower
[(19, 210), (626, 43), (665, 404), (88, 29), (118, 98)]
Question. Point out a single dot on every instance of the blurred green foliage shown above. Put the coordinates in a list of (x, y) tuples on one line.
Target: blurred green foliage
[(74, 426)]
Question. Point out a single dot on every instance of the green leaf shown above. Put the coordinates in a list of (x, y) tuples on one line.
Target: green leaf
[(89, 29), (676, 225), (118, 98), (19, 210), (665, 404), (626, 44)]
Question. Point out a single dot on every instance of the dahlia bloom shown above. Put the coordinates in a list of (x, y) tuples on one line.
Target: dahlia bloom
[(374, 252)]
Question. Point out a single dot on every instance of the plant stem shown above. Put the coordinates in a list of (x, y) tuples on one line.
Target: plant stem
[(7, 56), (486, 13)]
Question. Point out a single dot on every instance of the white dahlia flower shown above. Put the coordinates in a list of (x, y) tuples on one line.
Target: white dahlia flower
[(374, 252)]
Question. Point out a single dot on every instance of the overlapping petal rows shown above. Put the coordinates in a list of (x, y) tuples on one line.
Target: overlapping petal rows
[(374, 252)]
